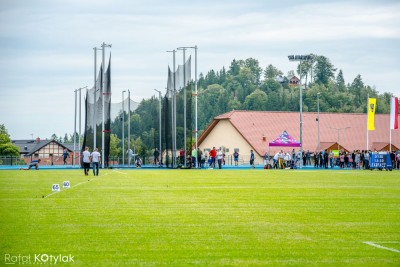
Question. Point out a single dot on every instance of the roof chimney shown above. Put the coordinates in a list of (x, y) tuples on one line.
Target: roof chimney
[(37, 140)]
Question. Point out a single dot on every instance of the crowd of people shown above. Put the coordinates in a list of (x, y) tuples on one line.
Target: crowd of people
[(358, 159)]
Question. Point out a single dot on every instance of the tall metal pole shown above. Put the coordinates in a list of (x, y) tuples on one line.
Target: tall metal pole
[(367, 122), (73, 158), (319, 143), (159, 96), (80, 123), (184, 106), (301, 119), (173, 112), (123, 128), (129, 123), (300, 58), (184, 102), (103, 46), (195, 96), (195, 102)]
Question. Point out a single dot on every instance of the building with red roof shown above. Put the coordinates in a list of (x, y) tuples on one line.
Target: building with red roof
[(253, 130)]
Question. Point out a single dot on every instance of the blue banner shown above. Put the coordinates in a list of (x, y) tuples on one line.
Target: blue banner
[(380, 161)]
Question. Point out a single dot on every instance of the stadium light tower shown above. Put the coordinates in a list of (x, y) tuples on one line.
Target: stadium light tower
[(338, 134), (123, 128), (103, 46), (300, 58)]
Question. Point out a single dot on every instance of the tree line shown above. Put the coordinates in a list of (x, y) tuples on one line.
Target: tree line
[(245, 85)]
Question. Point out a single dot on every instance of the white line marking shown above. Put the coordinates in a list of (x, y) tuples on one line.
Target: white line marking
[(76, 185), (381, 247), (119, 172)]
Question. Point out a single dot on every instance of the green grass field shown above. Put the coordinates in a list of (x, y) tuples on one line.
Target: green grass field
[(202, 218)]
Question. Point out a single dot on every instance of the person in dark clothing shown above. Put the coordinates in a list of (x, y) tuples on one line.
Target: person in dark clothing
[(320, 159), (326, 159), (156, 155), (315, 159), (65, 156), (31, 164)]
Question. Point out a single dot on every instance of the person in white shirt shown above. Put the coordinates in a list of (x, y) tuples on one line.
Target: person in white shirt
[(276, 157), (96, 159), (220, 156), (86, 161)]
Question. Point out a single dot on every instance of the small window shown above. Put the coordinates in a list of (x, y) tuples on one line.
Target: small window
[(236, 149), (207, 149), (226, 150)]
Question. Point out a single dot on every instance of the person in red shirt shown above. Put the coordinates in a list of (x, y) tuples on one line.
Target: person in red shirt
[(181, 156), (213, 154)]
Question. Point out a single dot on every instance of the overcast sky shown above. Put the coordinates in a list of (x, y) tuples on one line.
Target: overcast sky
[(46, 47)]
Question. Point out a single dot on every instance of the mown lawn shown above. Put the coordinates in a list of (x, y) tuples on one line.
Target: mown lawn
[(202, 217)]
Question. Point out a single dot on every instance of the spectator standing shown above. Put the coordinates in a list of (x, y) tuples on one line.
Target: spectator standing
[(95, 158), (156, 155), (331, 157), (236, 157), (65, 156), (252, 159), (213, 154), (266, 159), (86, 161), (220, 157)]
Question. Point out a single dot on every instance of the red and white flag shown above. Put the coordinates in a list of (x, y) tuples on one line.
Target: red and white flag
[(394, 113)]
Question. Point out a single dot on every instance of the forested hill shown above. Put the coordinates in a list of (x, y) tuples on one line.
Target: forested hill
[(246, 85)]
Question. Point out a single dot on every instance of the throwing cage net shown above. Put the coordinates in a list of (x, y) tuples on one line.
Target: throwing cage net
[(176, 128), (94, 103), (177, 104)]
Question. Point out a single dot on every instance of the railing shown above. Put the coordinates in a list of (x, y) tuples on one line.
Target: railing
[(12, 161)]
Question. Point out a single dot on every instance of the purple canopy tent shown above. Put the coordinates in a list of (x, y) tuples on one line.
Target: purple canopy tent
[(285, 140)]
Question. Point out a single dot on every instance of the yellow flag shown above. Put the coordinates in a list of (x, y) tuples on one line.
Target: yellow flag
[(371, 113)]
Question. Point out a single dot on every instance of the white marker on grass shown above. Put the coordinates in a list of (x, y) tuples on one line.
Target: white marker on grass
[(66, 184), (55, 188)]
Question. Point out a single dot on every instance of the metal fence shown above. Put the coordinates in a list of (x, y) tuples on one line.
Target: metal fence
[(12, 161)]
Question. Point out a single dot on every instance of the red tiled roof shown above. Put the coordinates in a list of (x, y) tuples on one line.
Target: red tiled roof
[(253, 125)]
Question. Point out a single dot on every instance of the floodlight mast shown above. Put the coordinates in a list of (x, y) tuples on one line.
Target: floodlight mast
[(103, 46), (300, 58)]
